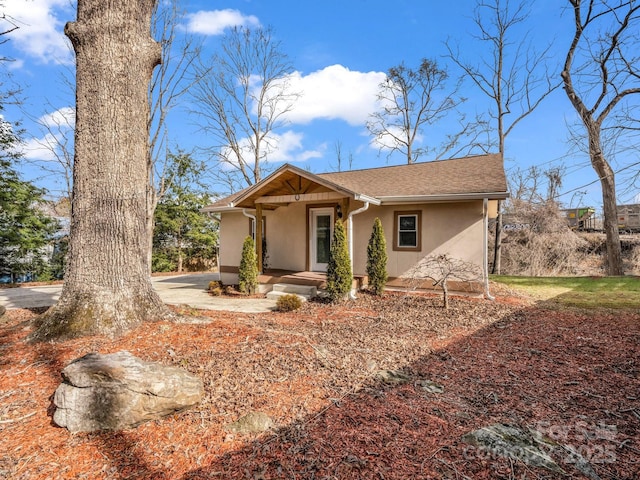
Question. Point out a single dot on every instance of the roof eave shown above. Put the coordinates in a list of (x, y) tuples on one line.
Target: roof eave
[(367, 199), (451, 197), (221, 209)]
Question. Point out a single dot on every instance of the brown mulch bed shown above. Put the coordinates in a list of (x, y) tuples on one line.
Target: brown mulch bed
[(573, 375)]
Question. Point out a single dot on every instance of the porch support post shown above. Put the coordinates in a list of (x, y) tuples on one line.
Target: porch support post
[(345, 208), (259, 235)]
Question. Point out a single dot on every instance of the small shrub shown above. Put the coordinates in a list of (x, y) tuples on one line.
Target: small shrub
[(288, 303), (215, 288), (339, 275), (377, 259), (248, 271)]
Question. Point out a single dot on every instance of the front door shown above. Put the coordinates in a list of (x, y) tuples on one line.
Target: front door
[(321, 233)]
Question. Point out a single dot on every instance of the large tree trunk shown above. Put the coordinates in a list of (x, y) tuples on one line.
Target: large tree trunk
[(107, 286), (607, 181), (610, 68)]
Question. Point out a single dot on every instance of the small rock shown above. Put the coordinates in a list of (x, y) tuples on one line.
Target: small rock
[(510, 442), (253, 422), (430, 387), (2, 310), (393, 377), (372, 366)]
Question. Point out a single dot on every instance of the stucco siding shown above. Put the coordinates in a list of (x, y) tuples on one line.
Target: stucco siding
[(287, 237), (453, 228)]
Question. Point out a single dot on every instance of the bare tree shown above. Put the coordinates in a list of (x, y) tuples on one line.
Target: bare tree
[(531, 189), (601, 71), (57, 131), (337, 146), (511, 74), (242, 102), (8, 94), (441, 269), (9, 25), (169, 82), (554, 182), (410, 100), (107, 287)]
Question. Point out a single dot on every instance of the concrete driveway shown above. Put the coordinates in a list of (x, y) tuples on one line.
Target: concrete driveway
[(186, 289)]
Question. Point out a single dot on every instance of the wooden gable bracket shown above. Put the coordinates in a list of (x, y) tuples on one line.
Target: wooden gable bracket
[(304, 197)]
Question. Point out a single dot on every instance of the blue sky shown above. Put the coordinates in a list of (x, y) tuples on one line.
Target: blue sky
[(340, 50)]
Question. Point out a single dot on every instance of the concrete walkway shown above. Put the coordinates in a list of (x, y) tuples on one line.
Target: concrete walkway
[(187, 289)]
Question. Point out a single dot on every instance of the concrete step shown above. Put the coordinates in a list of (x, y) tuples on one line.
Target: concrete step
[(308, 291), (273, 295)]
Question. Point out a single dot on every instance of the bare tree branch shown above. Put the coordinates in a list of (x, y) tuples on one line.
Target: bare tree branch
[(601, 70), (411, 99), (441, 269), (512, 75), (242, 102)]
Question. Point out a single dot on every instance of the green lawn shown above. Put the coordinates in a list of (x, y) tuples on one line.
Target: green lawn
[(581, 292)]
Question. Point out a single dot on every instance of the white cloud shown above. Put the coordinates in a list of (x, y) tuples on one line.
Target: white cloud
[(56, 129), (40, 33), (62, 118), (40, 149), (335, 92), (214, 22), (287, 147), (387, 141)]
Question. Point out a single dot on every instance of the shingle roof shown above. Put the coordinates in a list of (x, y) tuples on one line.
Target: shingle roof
[(479, 174), (460, 176)]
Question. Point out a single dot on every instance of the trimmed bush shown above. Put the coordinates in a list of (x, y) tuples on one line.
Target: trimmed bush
[(339, 275), (288, 303), (248, 271), (215, 288), (377, 259)]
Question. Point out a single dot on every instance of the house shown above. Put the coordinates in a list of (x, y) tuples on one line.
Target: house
[(426, 209)]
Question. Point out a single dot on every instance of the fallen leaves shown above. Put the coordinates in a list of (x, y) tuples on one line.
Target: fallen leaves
[(573, 375)]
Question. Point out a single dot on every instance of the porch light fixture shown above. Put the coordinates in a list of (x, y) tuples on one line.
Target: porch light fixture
[(297, 197), (339, 211)]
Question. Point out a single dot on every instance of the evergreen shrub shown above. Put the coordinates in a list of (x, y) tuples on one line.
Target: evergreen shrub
[(377, 259), (248, 272), (288, 303), (339, 274)]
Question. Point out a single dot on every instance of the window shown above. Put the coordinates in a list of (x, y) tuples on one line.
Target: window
[(252, 228), (407, 231)]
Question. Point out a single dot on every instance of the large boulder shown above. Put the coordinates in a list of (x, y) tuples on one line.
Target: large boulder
[(118, 391)]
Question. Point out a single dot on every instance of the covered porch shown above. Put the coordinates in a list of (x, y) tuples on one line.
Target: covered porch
[(291, 216)]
